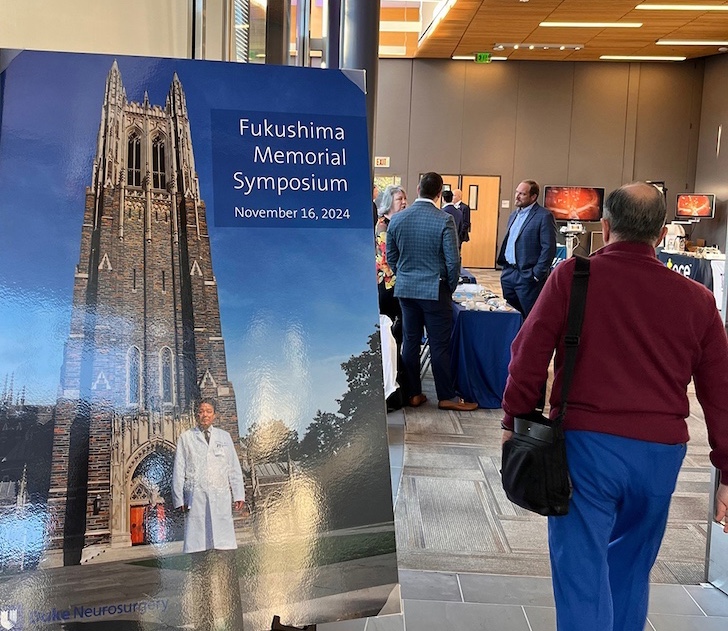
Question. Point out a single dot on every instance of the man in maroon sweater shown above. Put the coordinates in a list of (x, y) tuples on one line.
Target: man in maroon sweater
[(647, 332)]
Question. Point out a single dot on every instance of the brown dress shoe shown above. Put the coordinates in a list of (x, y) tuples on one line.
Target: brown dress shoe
[(458, 406), (417, 400)]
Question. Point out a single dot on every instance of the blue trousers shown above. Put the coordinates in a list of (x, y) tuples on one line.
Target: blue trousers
[(436, 316), (603, 550)]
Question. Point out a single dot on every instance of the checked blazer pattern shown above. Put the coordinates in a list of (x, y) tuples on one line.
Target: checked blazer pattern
[(422, 249)]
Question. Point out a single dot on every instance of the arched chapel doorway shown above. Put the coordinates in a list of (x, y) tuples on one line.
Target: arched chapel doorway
[(152, 518)]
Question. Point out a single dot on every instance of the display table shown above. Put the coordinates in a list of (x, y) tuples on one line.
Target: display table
[(480, 350), (467, 277), (559, 256), (698, 269)]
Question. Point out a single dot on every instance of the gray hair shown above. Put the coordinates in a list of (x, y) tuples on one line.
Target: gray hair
[(385, 205), (636, 212)]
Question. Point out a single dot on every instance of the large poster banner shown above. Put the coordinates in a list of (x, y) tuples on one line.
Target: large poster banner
[(192, 424)]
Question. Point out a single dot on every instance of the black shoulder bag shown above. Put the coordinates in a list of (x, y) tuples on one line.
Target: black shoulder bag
[(533, 466)]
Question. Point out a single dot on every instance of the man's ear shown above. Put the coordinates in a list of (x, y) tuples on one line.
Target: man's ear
[(606, 229)]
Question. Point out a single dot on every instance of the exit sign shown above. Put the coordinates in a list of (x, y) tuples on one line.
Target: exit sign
[(381, 161), (482, 58)]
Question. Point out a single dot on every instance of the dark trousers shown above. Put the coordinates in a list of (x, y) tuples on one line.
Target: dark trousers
[(519, 291), (436, 317), (388, 304)]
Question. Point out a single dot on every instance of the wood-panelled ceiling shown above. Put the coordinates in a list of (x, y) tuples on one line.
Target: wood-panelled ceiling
[(472, 26)]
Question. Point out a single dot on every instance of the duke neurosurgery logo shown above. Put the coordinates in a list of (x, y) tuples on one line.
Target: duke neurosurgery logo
[(10, 618)]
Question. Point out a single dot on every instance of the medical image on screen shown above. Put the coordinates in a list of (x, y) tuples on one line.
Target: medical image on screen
[(694, 205), (574, 203)]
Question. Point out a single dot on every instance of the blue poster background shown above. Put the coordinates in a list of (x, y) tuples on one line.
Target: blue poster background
[(289, 170)]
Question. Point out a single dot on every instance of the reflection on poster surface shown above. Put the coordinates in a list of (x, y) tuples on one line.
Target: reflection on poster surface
[(188, 245)]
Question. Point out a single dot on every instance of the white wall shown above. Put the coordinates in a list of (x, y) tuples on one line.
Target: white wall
[(133, 27), (580, 123)]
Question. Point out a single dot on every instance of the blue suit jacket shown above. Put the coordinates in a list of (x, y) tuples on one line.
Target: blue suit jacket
[(422, 249), (535, 244), (457, 215), (465, 233)]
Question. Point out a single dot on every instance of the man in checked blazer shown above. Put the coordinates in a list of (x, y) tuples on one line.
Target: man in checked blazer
[(422, 250), (528, 249)]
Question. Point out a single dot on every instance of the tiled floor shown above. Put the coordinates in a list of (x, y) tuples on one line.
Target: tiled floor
[(457, 600), (445, 601)]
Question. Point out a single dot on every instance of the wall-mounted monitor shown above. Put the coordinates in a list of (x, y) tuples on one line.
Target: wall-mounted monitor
[(574, 203), (695, 206)]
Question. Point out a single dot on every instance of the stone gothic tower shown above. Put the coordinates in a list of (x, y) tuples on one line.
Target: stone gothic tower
[(145, 339)]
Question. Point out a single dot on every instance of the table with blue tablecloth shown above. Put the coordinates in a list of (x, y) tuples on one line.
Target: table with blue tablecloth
[(466, 276), (480, 350), (559, 256), (696, 268)]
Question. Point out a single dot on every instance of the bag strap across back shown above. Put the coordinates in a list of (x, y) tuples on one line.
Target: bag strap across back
[(575, 318)]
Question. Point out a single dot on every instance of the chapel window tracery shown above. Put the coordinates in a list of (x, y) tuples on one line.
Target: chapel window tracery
[(159, 171), (134, 160)]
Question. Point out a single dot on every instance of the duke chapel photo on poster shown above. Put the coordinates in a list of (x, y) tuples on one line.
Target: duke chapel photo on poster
[(145, 341)]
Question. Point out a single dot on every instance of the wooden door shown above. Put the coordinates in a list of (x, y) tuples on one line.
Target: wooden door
[(481, 193), (450, 182), (137, 525)]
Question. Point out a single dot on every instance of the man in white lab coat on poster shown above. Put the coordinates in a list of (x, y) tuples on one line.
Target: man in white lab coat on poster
[(206, 481)]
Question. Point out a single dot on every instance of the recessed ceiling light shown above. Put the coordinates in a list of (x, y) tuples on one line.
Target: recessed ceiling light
[(472, 58), (691, 42), (682, 7), (640, 58), (502, 46), (593, 24)]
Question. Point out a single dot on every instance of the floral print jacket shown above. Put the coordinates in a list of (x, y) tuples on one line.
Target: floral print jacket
[(384, 272)]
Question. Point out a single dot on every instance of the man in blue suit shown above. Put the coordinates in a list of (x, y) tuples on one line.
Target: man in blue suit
[(451, 209), (457, 199), (422, 250), (528, 249)]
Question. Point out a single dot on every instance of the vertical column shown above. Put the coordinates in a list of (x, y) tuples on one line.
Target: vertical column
[(197, 12), (303, 32), (333, 40), (360, 50), (277, 32)]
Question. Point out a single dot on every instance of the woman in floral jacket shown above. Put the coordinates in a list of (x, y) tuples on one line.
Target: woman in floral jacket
[(394, 199)]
